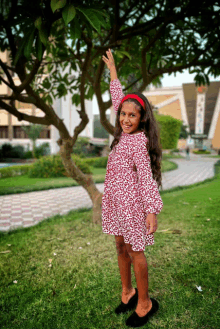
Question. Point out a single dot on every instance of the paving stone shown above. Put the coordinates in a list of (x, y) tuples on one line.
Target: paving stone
[(16, 220), (4, 213), (4, 223)]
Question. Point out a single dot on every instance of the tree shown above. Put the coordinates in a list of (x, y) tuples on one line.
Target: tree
[(99, 130), (183, 132), (56, 37), (33, 131)]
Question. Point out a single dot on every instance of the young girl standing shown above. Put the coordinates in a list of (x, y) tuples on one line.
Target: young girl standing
[(131, 199)]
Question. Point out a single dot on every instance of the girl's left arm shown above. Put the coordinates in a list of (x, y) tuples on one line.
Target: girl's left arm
[(153, 203), (116, 93), (115, 85)]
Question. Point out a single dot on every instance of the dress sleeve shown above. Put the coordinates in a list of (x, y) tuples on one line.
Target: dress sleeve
[(116, 93), (148, 187)]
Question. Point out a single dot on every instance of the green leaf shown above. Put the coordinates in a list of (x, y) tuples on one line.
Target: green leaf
[(39, 48), (43, 35), (90, 93), (49, 99), (91, 17), (61, 90), (123, 52), (57, 4), (46, 83), (19, 51), (68, 13), (75, 31), (38, 23), (76, 99), (28, 46), (102, 17)]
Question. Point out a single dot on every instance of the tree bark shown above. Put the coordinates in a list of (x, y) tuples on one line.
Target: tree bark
[(85, 180)]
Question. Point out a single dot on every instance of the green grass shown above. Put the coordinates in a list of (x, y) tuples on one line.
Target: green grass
[(83, 287), (22, 184)]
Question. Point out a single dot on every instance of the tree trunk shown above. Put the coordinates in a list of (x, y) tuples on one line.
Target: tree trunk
[(85, 180)]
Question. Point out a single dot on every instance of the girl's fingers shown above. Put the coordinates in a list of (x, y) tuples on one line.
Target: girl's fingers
[(110, 55), (105, 59)]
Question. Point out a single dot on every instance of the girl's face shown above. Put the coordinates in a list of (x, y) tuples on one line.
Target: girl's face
[(129, 118)]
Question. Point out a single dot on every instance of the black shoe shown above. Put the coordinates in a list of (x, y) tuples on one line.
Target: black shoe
[(123, 308), (136, 321)]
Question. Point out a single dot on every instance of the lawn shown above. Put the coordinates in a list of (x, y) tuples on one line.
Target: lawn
[(22, 184), (63, 273)]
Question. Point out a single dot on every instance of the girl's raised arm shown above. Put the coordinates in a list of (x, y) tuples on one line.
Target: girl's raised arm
[(115, 85), (110, 64)]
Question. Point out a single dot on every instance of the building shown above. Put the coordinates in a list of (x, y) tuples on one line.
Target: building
[(11, 130), (197, 107)]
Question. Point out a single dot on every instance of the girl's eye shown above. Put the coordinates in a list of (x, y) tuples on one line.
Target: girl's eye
[(123, 113)]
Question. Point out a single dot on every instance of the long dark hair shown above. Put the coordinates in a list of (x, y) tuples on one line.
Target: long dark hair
[(150, 128)]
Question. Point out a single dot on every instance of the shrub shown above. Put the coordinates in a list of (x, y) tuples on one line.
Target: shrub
[(9, 151), (28, 155), (52, 166), (13, 171), (100, 162), (43, 149), (17, 152), (201, 152), (175, 151), (97, 162), (169, 128), (6, 149), (81, 146)]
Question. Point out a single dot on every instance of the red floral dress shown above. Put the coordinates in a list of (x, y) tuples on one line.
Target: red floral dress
[(130, 192)]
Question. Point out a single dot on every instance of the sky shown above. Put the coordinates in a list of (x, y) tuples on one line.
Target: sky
[(167, 81)]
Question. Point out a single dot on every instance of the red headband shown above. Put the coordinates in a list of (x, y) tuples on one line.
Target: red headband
[(134, 97)]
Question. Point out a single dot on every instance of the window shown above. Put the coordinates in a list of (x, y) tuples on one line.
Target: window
[(45, 134), (3, 131), (18, 132)]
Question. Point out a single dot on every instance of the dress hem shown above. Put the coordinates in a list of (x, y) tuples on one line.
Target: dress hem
[(128, 242)]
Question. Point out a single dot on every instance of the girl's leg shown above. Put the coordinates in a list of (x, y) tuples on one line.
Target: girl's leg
[(141, 274), (124, 263)]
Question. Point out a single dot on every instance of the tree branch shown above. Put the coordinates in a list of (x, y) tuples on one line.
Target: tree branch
[(82, 112), (30, 77), (22, 116), (20, 98), (5, 82), (132, 84), (4, 67), (11, 41)]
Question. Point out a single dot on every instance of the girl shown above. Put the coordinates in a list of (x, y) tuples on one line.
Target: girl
[(131, 199)]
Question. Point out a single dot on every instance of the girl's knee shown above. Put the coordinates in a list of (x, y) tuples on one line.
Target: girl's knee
[(120, 244), (133, 254)]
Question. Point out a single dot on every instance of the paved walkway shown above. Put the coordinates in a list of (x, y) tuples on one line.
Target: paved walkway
[(28, 209)]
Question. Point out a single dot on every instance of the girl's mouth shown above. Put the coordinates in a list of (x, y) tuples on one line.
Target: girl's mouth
[(126, 127)]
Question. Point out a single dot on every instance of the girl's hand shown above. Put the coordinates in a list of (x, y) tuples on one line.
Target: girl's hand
[(151, 223), (109, 61)]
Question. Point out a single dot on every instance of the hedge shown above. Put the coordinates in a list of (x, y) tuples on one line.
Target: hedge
[(201, 152), (97, 162), (52, 166), (14, 170), (169, 130)]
